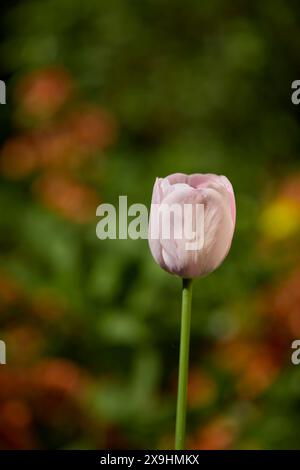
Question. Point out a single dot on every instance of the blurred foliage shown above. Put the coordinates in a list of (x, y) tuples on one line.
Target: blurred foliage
[(102, 98)]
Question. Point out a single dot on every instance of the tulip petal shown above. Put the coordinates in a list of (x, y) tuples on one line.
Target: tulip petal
[(173, 253)]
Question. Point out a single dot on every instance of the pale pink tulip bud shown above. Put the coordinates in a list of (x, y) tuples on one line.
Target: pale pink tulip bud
[(191, 224)]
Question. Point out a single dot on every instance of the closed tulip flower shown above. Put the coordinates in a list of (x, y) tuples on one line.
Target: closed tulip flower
[(213, 231), (177, 202)]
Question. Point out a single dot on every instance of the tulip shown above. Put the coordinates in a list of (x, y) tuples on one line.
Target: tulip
[(216, 195), (190, 254)]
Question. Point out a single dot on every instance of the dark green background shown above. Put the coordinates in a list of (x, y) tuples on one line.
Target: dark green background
[(92, 326)]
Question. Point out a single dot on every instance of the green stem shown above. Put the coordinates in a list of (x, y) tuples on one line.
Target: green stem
[(183, 363)]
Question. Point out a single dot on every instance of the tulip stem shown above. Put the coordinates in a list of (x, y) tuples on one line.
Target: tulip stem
[(187, 286)]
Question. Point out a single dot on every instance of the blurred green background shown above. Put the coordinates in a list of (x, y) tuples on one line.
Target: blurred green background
[(102, 97)]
